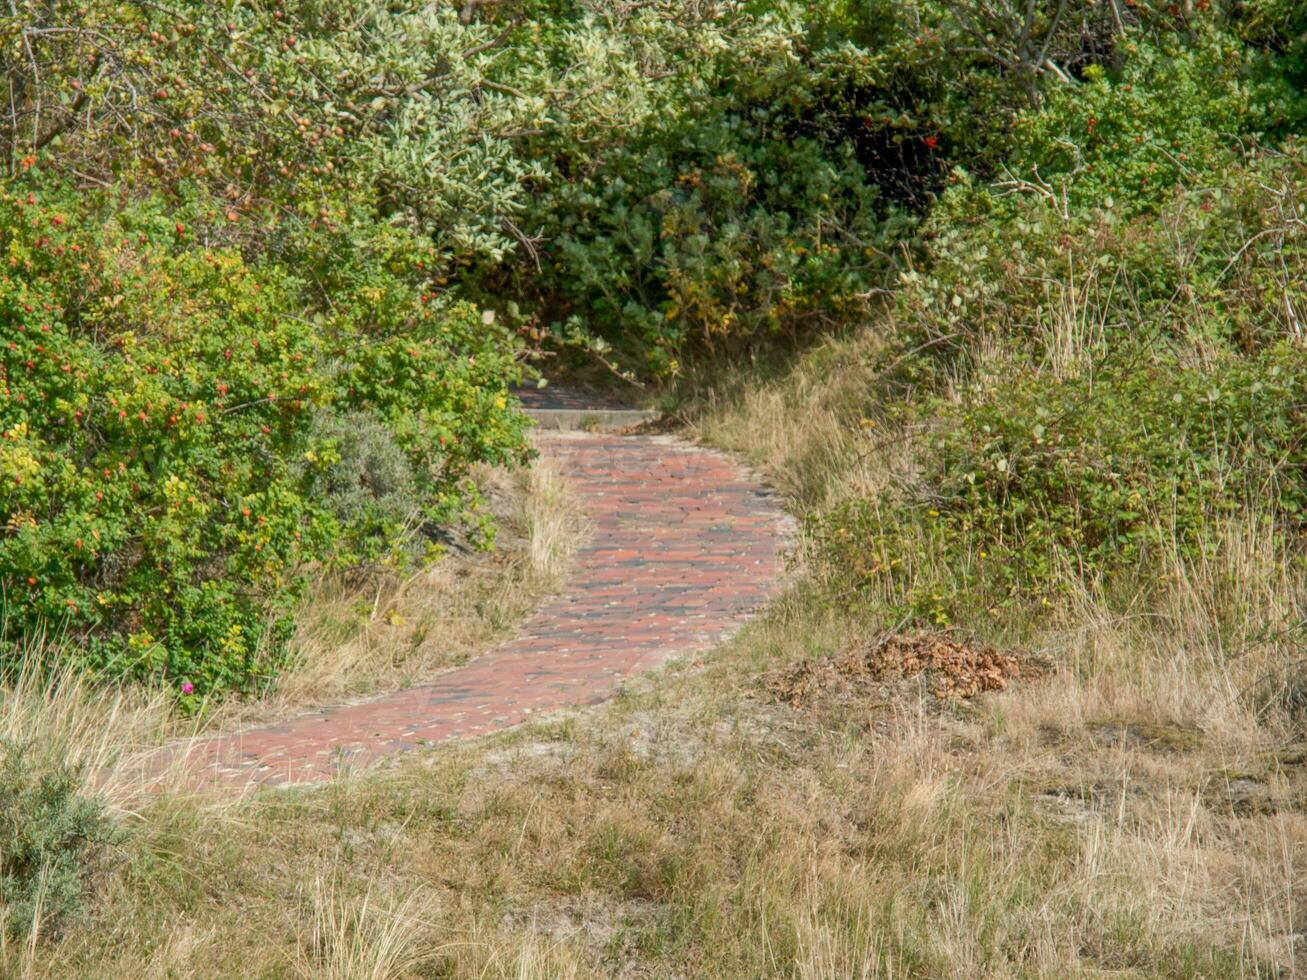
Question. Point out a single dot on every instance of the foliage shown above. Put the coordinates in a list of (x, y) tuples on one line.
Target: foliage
[(1036, 479), (1217, 264), (312, 108), (665, 179), (361, 475), (255, 361), (751, 192), (772, 190), (1278, 28), (52, 836), (1101, 387), (1172, 114), (730, 237), (160, 456)]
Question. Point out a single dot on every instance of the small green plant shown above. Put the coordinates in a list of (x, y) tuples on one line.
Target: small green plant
[(51, 838), (362, 477)]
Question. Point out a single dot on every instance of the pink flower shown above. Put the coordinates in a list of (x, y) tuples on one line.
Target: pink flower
[(187, 687)]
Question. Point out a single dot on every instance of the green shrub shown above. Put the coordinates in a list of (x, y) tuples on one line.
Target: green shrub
[(51, 837), (1278, 28), (163, 475), (661, 178), (764, 182), (741, 202), (362, 477), (1035, 478), (1171, 116), (295, 116), (1221, 264), (714, 239)]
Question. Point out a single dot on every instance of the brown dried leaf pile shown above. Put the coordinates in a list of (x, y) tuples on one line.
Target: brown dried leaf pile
[(956, 669)]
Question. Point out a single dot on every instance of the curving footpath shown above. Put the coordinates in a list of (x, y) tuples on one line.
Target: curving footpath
[(686, 544)]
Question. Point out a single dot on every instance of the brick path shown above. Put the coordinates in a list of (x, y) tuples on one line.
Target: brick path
[(685, 545)]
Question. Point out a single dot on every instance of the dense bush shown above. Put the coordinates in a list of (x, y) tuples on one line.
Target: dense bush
[(240, 242), (754, 195), (1172, 114), (163, 455), (661, 178), (1278, 28), (1036, 481), (1104, 463), (1103, 383), (714, 240), (1221, 263), (766, 180), (51, 837), (290, 114)]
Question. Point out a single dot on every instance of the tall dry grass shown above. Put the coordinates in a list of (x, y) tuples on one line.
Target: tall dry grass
[(815, 429), (361, 937), (64, 720), (65, 716)]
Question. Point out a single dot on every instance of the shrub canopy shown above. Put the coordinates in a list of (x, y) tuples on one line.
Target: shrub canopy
[(272, 265)]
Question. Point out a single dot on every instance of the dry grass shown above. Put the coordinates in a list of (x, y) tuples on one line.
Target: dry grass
[(1137, 811), (361, 938), (694, 828), (815, 429), (64, 720), (67, 717)]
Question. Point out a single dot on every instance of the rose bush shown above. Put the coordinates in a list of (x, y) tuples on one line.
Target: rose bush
[(159, 449)]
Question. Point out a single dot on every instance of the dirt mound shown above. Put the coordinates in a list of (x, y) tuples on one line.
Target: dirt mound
[(956, 668)]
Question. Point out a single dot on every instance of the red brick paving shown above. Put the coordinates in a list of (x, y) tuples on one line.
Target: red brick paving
[(685, 545)]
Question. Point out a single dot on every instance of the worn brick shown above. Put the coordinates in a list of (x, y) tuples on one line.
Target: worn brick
[(686, 544)]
